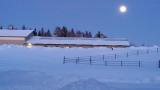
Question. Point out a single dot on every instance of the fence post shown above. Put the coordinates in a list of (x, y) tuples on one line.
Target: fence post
[(121, 63), (127, 55), (103, 57), (77, 60), (115, 56), (64, 58), (139, 64), (159, 64), (90, 60)]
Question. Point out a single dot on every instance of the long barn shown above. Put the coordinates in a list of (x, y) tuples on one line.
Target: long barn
[(14, 36), (79, 42)]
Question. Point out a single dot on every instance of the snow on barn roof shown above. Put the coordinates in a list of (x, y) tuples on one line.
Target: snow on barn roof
[(79, 41), (15, 33)]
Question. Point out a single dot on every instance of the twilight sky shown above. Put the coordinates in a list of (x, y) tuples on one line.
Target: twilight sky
[(141, 24)]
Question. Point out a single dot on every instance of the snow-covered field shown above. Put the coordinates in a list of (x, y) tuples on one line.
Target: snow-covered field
[(41, 68)]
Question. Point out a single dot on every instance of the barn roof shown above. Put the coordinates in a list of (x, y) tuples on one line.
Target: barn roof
[(15, 33)]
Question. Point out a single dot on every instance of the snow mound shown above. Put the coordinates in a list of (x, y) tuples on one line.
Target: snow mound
[(90, 84), (26, 80)]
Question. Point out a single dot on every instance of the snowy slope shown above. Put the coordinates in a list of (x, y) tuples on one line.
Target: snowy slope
[(41, 68), (78, 41)]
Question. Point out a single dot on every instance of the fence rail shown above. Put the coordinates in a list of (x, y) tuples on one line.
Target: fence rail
[(93, 61), (123, 63)]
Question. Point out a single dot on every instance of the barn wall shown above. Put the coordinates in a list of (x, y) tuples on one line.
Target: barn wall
[(12, 40)]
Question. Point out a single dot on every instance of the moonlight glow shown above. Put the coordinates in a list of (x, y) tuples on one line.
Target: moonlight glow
[(123, 9)]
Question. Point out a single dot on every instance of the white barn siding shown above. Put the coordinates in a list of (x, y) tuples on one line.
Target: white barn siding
[(20, 42), (12, 38)]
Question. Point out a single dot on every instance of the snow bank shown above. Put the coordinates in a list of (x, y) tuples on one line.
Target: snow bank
[(90, 84)]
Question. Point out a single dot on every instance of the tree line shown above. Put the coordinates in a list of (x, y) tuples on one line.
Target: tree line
[(59, 32)]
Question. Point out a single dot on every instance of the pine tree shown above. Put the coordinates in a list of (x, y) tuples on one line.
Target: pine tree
[(86, 34), (42, 32), (90, 35), (35, 32), (24, 27), (98, 34), (1, 27), (57, 32), (49, 33), (64, 31), (83, 34), (39, 33), (79, 34), (72, 33)]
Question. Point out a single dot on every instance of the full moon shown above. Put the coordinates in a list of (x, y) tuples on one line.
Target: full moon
[(123, 9)]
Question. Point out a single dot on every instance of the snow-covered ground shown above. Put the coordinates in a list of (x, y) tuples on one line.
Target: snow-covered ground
[(41, 68)]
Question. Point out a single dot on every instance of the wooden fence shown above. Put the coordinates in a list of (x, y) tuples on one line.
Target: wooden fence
[(101, 61), (123, 59)]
